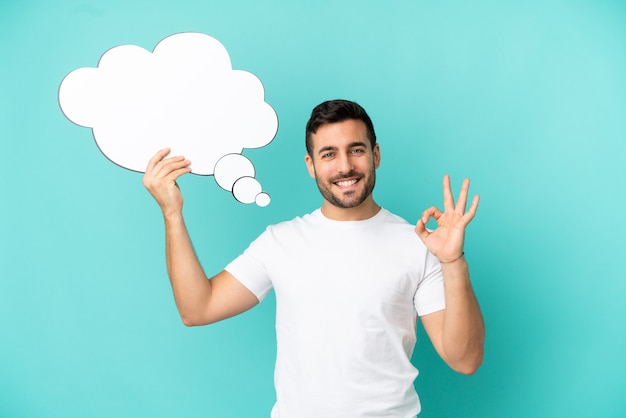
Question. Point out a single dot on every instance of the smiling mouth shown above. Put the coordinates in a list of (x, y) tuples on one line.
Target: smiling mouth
[(346, 183)]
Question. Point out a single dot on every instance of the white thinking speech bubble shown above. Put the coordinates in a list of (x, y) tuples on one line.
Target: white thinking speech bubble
[(184, 95)]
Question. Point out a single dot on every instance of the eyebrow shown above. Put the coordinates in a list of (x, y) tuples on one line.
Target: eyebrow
[(351, 145), (324, 149)]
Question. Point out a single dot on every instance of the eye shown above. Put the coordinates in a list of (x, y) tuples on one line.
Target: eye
[(328, 155), (357, 150)]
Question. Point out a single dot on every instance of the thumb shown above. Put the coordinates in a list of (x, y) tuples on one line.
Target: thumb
[(421, 231)]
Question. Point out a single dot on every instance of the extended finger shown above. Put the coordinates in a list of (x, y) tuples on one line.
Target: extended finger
[(166, 173), (179, 171), (156, 158), (472, 210), (175, 174), (448, 200), (166, 166), (461, 202)]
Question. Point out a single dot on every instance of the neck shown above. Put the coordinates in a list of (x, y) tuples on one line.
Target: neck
[(365, 210)]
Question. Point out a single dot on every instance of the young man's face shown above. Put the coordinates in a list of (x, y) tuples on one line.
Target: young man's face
[(343, 163)]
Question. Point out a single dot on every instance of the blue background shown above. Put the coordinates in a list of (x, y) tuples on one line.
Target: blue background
[(526, 98)]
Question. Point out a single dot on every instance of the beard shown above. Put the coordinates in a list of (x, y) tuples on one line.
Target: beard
[(349, 199)]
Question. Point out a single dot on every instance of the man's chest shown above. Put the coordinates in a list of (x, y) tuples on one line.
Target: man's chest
[(346, 272)]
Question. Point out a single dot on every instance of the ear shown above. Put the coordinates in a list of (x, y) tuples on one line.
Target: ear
[(309, 165), (376, 156)]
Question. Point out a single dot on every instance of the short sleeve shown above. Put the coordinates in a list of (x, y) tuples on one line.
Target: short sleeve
[(250, 269), (430, 294)]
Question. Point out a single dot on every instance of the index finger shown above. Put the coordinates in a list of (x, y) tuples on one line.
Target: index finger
[(448, 200), (156, 158), (462, 200)]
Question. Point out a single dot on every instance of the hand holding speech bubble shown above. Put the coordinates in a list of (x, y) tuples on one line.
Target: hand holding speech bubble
[(184, 95)]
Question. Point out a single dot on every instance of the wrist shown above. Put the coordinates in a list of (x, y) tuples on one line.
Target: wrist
[(453, 260), (172, 215)]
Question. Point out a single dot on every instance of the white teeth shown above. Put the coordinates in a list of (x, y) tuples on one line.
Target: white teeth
[(345, 183)]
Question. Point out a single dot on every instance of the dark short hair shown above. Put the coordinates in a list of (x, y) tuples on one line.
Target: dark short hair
[(333, 111)]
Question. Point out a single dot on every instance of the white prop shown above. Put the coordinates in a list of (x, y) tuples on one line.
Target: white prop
[(185, 96)]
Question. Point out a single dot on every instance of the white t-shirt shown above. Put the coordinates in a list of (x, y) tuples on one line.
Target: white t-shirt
[(347, 298)]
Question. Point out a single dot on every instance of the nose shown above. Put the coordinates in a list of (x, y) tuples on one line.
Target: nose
[(344, 164)]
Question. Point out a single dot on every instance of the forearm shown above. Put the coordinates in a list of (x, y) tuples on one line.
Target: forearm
[(463, 332), (190, 284)]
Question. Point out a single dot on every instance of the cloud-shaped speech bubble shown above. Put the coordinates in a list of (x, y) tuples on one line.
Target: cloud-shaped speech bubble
[(184, 95)]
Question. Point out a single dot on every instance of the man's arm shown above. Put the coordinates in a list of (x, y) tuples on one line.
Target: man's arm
[(458, 331), (199, 300)]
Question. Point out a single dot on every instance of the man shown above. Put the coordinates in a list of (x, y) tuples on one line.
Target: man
[(350, 280)]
